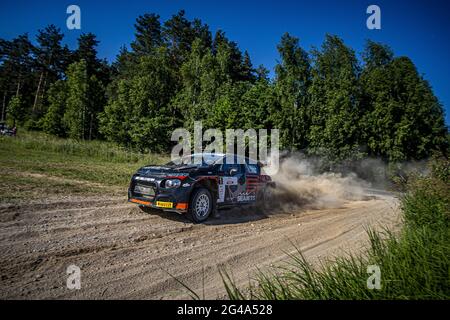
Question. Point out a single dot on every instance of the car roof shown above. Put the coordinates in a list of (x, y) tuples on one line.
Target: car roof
[(217, 157), (223, 155)]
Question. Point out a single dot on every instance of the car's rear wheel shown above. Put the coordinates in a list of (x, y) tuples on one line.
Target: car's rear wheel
[(265, 198), (201, 205)]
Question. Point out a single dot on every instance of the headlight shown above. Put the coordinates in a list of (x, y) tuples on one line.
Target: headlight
[(172, 183)]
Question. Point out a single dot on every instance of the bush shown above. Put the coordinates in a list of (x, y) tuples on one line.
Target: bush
[(440, 167)]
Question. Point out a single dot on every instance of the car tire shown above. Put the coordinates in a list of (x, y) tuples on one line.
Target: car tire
[(265, 198), (200, 205)]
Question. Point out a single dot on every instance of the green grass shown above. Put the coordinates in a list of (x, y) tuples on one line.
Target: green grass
[(15, 188), (35, 165), (414, 264)]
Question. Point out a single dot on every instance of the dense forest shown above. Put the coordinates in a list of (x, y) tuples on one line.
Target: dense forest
[(326, 101)]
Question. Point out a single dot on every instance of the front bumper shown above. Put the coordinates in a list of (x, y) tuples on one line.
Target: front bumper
[(176, 200), (180, 207)]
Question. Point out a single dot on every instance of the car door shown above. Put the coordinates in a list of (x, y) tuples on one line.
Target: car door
[(232, 183), (252, 174)]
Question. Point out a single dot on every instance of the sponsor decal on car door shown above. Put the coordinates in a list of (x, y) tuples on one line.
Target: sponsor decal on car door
[(251, 187), (224, 186)]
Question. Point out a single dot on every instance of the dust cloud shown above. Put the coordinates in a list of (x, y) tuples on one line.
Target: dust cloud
[(299, 184)]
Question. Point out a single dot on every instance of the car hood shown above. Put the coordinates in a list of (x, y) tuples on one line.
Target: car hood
[(166, 170)]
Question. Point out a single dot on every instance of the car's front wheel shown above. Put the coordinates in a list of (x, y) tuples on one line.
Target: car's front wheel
[(201, 205)]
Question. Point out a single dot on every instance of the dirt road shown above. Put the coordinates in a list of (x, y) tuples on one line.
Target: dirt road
[(125, 253)]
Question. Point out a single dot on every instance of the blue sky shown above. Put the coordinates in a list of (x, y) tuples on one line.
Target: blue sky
[(417, 29)]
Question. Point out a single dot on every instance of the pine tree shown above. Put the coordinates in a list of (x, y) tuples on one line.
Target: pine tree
[(51, 61), (147, 35), (262, 73), (247, 71), (201, 31), (178, 36), (16, 77)]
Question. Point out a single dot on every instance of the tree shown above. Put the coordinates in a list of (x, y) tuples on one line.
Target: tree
[(97, 78), (51, 61), (402, 119), (85, 101), (247, 71), (147, 35), (124, 63), (53, 120), (293, 80), (201, 31), (140, 115), (227, 112), (178, 36), (257, 104), (87, 43), (76, 113), (262, 73), (334, 107), (87, 51), (232, 63), (17, 58), (96, 105), (376, 55), (199, 84), (15, 108), (16, 76)]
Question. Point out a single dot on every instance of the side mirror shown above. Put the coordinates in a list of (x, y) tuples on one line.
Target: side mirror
[(233, 171)]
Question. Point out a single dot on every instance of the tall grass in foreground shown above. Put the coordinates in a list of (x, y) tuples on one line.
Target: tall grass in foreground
[(414, 264)]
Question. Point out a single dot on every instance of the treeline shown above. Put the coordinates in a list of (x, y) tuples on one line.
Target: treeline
[(326, 101)]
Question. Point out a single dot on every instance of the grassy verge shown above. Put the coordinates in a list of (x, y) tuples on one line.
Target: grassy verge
[(33, 165), (414, 264)]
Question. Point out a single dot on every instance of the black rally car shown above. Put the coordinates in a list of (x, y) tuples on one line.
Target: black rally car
[(214, 181)]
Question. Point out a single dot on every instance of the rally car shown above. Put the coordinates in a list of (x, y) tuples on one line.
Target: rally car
[(200, 184)]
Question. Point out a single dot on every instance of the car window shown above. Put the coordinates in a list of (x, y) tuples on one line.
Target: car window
[(204, 159), (227, 167), (252, 168)]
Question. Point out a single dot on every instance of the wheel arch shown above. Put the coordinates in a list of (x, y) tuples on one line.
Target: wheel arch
[(210, 183)]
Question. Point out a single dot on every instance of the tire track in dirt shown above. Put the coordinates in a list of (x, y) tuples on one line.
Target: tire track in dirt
[(126, 253)]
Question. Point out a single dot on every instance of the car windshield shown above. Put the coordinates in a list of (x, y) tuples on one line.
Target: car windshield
[(197, 159)]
